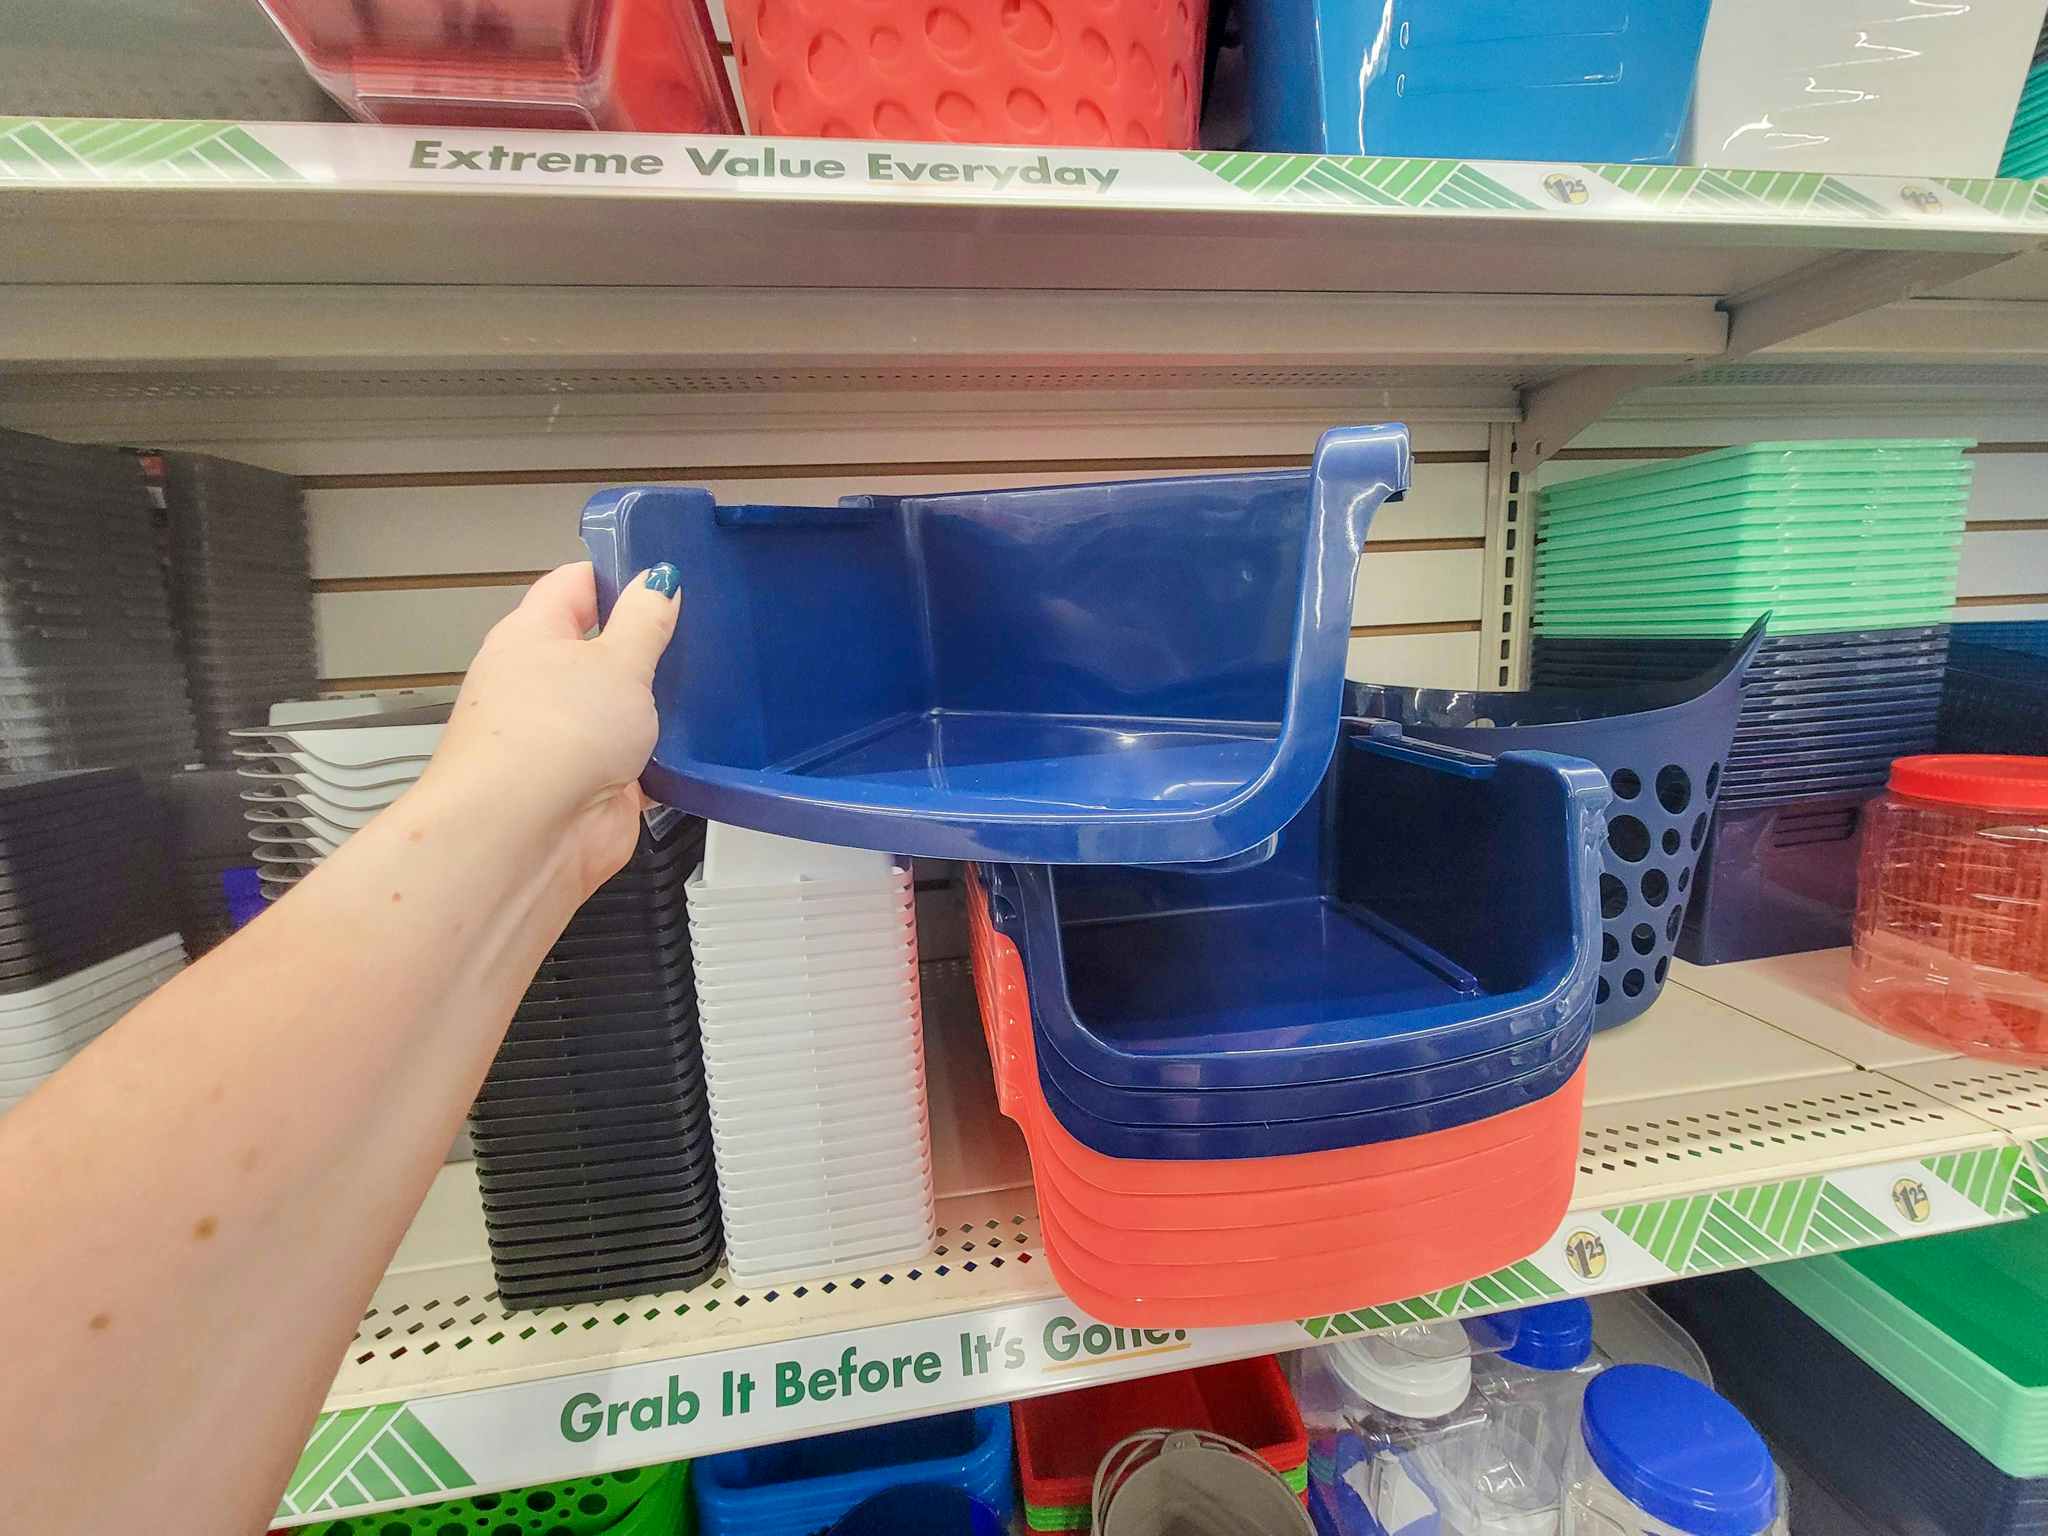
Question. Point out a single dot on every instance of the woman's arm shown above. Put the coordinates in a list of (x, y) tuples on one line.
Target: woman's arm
[(193, 1214)]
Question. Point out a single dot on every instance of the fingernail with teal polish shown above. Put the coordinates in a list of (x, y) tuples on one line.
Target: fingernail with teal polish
[(665, 579)]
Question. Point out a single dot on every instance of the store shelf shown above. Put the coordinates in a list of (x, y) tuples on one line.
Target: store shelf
[(267, 263), (1737, 1122)]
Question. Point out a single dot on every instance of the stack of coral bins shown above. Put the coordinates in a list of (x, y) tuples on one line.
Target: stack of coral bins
[(806, 965), (1343, 1074), (1852, 549)]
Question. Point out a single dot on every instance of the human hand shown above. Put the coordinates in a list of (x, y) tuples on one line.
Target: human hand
[(558, 727)]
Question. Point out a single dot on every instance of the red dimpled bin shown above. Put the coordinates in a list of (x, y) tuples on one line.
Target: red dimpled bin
[(1061, 1440), (1078, 72)]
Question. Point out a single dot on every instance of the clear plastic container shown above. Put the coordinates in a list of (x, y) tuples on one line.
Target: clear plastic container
[(647, 66), (1951, 931), (1415, 1446), (1535, 1388), (1659, 1454)]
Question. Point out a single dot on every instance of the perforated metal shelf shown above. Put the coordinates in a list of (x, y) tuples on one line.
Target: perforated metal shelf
[(1716, 1135)]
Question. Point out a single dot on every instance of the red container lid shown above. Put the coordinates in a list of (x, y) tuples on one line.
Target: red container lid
[(1985, 782)]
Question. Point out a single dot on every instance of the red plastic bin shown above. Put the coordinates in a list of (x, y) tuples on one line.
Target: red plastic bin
[(647, 66), (1061, 1440), (1080, 72)]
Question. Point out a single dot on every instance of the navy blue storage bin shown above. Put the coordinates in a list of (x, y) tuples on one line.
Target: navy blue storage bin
[(1134, 673), (1995, 697), (1344, 990), (1877, 1449), (1473, 79), (797, 1487), (1775, 879), (1664, 747)]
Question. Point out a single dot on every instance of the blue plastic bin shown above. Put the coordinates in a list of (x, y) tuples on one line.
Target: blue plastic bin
[(1145, 672), (1342, 991), (921, 1509), (1664, 748), (1995, 696), (1573, 80), (805, 1486), (1877, 1449), (1776, 879)]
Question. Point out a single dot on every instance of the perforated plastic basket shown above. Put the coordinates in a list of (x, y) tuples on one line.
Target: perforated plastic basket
[(642, 1501)]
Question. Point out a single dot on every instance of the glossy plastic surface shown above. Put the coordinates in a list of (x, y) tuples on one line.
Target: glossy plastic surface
[(1860, 86), (1061, 1440), (1382, 1221), (1897, 1465), (1664, 748), (1679, 1453), (1125, 72), (808, 1484), (646, 66), (1540, 80), (1138, 673), (1333, 959), (1775, 879), (1995, 692), (1951, 932), (920, 1509)]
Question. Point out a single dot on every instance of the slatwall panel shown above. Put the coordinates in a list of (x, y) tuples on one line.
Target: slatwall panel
[(411, 568), (2005, 545)]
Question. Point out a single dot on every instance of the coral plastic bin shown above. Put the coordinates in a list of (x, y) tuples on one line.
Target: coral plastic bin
[(1663, 747), (1091, 72), (1480, 79), (1135, 673), (1061, 1440), (1347, 1228), (648, 66)]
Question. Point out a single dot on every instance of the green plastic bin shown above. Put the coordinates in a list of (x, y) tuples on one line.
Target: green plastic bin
[(643, 1501)]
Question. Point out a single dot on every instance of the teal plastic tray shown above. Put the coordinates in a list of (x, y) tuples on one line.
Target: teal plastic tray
[(1847, 456), (1956, 1322), (1762, 518), (1875, 495)]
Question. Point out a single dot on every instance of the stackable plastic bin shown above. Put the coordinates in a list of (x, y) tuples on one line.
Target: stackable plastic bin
[(1775, 880), (207, 843), (1860, 86), (1431, 1031), (241, 591), (1664, 749), (1109, 72), (2026, 144), (591, 1131), (1995, 692), (807, 1485), (1545, 80), (631, 66), (90, 674), (87, 925), (641, 1501), (1057, 675), (1952, 1321), (807, 976), (1885, 1456), (1062, 1439)]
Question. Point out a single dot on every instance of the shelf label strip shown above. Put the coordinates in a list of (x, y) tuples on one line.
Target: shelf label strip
[(361, 156), (388, 1456)]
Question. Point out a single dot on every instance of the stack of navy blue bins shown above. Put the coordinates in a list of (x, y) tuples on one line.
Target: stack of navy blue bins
[(1995, 692), (592, 1134), (1851, 548)]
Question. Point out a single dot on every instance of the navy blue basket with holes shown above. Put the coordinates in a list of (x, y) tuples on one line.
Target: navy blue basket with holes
[(1663, 747)]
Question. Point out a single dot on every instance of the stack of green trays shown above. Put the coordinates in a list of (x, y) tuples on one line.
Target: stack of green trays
[(1955, 1322), (645, 1501), (1823, 536), (2026, 147), (1075, 1517)]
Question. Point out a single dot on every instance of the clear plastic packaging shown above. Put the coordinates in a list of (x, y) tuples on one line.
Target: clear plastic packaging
[(646, 66), (1659, 1454), (1951, 933)]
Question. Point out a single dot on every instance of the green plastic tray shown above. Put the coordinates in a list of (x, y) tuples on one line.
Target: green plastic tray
[(1914, 566), (1694, 559), (1851, 456), (1732, 628), (1877, 491), (1956, 1322), (1764, 509), (1074, 1517), (1791, 601), (646, 1501), (1763, 520)]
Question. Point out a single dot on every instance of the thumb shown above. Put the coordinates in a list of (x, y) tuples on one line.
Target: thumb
[(644, 618)]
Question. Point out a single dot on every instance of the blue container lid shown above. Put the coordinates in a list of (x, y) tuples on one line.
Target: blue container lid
[(1553, 1337), (1679, 1451)]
